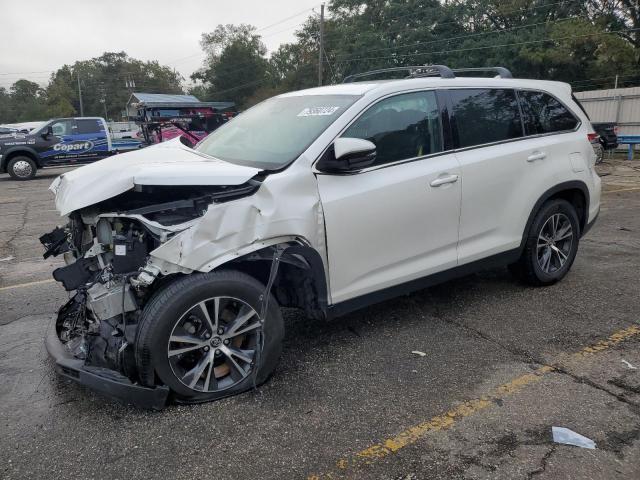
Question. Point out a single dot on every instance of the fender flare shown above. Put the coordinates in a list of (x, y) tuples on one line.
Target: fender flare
[(296, 245), (312, 263), (561, 187)]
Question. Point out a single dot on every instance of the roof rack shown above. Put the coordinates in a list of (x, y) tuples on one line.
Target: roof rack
[(501, 71), (443, 71), (414, 71)]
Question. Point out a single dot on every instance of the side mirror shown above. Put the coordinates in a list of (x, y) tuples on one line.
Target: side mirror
[(48, 132), (348, 155)]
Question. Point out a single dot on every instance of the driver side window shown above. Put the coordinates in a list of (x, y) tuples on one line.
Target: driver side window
[(62, 127), (402, 127)]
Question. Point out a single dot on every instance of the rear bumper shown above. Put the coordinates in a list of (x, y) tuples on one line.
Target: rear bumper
[(590, 224), (106, 382)]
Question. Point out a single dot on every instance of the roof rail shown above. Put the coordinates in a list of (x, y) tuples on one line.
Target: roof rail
[(501, 71), (430, 70), (414, 71)]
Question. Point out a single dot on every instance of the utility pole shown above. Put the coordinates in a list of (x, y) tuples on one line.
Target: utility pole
[(80, 96), (321, 45), (616, 84), (103, 100)]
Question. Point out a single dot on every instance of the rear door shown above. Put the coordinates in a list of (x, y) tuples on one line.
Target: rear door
[(397, 220), (512, 147), (92, 138), (487, 129)]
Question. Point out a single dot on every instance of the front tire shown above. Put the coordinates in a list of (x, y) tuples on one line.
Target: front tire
[(203, 337), (551, 245), (22, 168)]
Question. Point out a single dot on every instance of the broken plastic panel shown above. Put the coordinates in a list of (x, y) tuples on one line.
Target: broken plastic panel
[(569, 437)]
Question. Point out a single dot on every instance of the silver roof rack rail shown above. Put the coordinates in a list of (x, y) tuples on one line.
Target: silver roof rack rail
[(414, 71), (443, 71), (501, 71)]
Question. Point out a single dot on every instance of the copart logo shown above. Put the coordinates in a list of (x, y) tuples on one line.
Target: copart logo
[(75, 147)]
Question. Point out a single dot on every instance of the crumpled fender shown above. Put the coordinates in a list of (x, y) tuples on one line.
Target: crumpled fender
[(286, 207)]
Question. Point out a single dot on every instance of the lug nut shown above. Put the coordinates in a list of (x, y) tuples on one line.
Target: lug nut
[(226, 341), (220, 331), (217, 352), (207, 335), (206, 349)]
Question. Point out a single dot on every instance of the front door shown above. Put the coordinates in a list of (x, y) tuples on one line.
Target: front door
[(397, 220), (53, 149)]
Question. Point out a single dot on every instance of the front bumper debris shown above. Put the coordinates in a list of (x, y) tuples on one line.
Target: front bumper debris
[(102, 380)]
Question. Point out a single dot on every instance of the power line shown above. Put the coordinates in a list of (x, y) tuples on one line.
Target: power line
[(472, 35), (438, 24), (486, 47), (27, 73), (199, 54), (285, 19)]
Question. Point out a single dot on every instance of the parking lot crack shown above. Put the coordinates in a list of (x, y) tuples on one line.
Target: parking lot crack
[(9, 242), (522, 355), (543, 463), (591, 383)]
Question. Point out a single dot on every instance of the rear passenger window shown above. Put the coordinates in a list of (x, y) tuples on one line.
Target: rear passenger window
[(89, 126), (544, 114), (402, 127), (485, 116)]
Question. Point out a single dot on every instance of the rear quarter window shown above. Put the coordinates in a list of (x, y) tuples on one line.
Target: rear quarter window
[(89, 126), (544, 114), (485, 116)]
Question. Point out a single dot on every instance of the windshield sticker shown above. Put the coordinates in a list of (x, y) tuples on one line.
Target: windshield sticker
[(318, 111)]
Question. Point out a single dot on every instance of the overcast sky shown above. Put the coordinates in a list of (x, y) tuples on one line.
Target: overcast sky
[(38, 36)]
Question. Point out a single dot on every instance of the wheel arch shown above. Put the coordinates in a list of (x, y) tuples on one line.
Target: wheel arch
[(575, 192), (20, 151), (301, 280)]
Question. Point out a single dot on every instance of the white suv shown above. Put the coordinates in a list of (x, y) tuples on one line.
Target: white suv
[(327, 200)]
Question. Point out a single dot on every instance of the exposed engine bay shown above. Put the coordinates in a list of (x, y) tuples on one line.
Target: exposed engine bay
[(106, 248)]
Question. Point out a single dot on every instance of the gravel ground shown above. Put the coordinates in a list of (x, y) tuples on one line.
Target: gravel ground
[(349, 399)]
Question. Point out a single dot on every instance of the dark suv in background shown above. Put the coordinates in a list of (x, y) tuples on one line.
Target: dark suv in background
[(608, 132)]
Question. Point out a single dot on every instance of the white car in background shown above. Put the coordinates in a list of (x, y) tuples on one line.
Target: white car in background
[(327, 200)]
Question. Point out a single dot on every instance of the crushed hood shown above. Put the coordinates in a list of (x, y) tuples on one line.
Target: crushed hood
[(169, 163)]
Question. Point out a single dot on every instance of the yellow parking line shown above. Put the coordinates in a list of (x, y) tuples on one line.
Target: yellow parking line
[(28, 284), (632, 189), (442, 422)]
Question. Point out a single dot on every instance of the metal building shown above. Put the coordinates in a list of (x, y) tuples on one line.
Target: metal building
[(619, 105)]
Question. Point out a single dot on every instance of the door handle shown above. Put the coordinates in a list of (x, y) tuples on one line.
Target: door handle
[(536, 156), (444, 180)]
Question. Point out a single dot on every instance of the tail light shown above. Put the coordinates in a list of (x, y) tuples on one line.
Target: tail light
[(597, 148)]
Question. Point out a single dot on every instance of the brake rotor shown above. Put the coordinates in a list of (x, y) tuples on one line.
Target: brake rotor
[(223, 369)]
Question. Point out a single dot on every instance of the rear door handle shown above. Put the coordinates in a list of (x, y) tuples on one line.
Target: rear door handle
[(536, 156), (444, 180)]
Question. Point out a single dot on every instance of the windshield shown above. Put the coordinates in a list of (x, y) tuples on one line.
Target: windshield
[(275, 132)]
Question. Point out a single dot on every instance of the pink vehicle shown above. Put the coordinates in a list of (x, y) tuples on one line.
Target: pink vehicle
[(163, 117)]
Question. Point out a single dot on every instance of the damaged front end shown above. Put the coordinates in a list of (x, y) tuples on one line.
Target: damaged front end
[(112, 274)]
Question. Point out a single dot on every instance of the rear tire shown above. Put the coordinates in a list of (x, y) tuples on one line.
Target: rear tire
[(22, 168), (551, 245), (202, 359)]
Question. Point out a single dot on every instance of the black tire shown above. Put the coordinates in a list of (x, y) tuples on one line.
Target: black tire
[(528, 268), (168, 305), (22, 168)]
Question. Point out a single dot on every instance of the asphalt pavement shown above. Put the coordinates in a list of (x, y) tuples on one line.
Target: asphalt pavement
[(502, 364)]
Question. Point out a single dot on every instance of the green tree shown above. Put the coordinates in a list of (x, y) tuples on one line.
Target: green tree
[(235, 67), (27, 101), (107, 82), (6, 111)]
